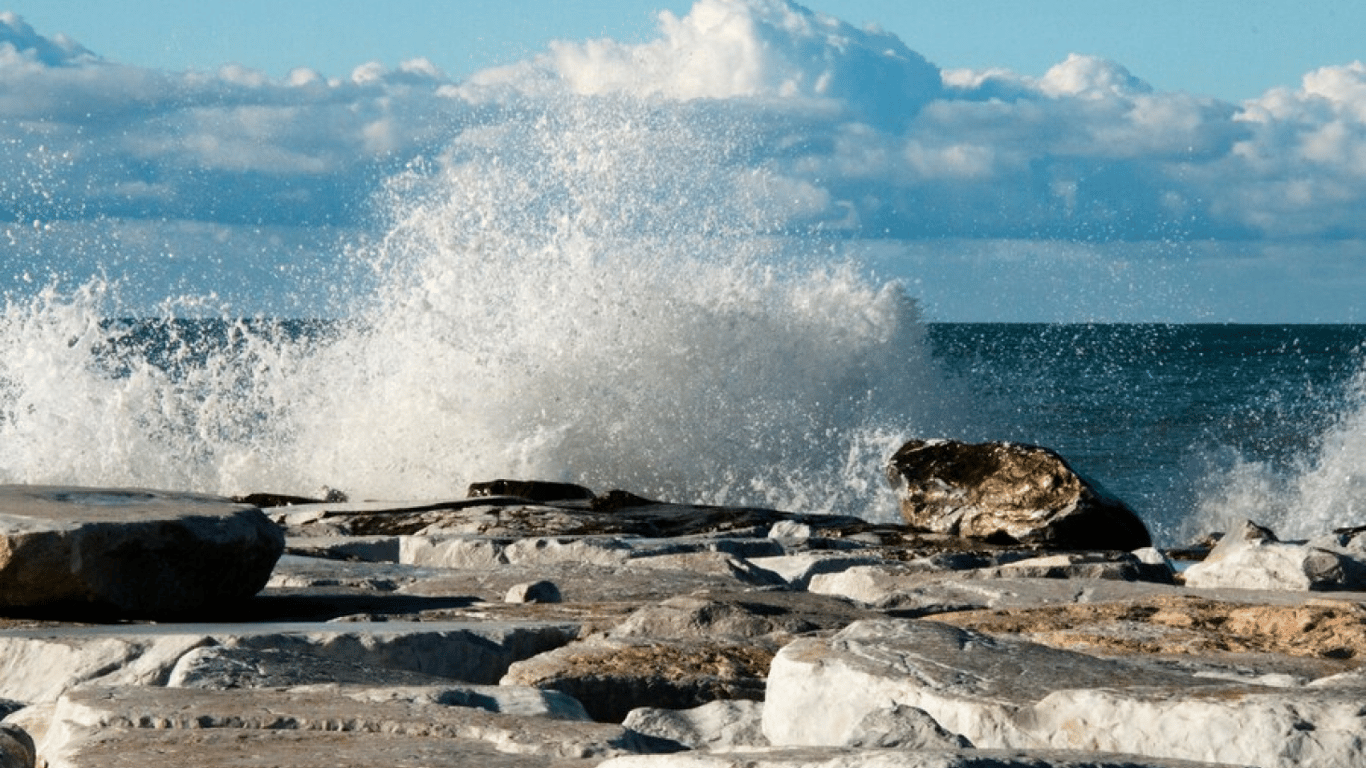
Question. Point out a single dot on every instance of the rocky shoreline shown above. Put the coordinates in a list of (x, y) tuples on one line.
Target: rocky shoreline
[(613, 630)]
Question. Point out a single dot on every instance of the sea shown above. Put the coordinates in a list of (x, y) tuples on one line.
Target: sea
[(600, 293)]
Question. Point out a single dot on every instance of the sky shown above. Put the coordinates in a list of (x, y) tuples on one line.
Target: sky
[(1065, 160), (1233, 49)]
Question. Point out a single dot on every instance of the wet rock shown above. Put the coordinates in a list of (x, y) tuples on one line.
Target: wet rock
[(1251, 557), (716, 725), (1003, 693), (121, 552), (531, 490), (1009, 492)]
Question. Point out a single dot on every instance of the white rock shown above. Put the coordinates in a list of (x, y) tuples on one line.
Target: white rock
[(1010, 694), (600, 550), (437, 551), (533, 592), (38, 666), (790, 532), (799, 569), (716, 725), (841, 757), (1251, 557)]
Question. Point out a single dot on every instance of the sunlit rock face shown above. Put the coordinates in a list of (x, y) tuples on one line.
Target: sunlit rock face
[(1009, 492)]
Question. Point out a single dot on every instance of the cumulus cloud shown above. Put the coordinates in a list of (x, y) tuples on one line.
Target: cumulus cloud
[(855, 129)]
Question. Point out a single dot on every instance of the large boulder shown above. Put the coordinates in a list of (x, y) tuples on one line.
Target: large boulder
[(129, 552), (1009, 492)]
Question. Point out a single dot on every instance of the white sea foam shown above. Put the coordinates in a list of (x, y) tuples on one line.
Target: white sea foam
[(593, 291), (1321, 490)]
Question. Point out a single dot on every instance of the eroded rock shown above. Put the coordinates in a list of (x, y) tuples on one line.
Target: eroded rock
[(93, 724), (612, 676), (1010, 492), (1003, 693), (716, 725)]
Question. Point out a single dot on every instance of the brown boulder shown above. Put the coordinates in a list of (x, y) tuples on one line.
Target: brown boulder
[(1009, 492)]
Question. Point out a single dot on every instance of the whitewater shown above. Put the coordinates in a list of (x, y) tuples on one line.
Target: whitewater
[(619, 287)]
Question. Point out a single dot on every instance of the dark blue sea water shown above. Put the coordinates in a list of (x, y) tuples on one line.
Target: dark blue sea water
[(1165, 416)]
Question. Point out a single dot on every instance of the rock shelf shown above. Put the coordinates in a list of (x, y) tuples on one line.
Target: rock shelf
[(500, 631)]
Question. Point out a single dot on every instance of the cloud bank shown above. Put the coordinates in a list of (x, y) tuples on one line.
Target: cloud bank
[(878, 142)]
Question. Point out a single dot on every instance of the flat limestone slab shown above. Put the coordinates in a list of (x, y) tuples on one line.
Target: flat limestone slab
[(1010, 694), (38, 665), (168, 726), (129, 552)]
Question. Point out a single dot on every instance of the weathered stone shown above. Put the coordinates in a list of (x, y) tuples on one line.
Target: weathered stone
[(790, 533), (129, 552), (716, 725), (218, 667), (144, 721), (720, 564), (40, 664), (1263, 642), (1251, 557), (910, 590), (798, 569), (1009, 491), (1121, 566), (901, 727), (612, 676), (1008, 694), (842, 757), (739, 615), (503, 699), (272, 748), (506, 516)]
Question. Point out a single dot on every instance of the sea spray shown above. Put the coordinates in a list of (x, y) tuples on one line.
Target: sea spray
[(1318, 490), (598, 290), (603, 291)]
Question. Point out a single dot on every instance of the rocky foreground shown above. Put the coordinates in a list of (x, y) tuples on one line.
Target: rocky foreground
[(610, 630)]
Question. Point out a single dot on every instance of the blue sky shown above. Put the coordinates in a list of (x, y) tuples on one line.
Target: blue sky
[(1233, 49), (1169, 161)]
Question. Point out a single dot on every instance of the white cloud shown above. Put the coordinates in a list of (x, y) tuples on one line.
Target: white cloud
[(837, 127)]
